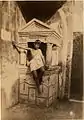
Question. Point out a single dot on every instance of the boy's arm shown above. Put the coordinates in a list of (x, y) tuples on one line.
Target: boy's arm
[(42, 57), (17, 46), (27, 63)]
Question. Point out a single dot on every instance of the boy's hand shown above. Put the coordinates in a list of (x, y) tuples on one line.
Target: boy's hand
[(13, 43)]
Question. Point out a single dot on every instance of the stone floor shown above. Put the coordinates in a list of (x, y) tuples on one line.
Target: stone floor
[(62, 110)]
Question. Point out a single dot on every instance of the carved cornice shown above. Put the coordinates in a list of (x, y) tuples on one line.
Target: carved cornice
[(40, 32), (49, 36)]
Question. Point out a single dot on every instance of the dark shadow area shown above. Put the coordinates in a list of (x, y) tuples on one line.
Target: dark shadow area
[(77, 69), (41, 10)]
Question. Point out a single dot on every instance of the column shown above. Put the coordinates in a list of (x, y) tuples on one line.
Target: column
[(22, 57), (55, 55), (49, 54)]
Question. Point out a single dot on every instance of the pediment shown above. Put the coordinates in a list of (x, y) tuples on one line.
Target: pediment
[(35, 25), (37, 29)]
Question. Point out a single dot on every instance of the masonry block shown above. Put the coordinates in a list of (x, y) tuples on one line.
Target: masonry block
[(48, 88)]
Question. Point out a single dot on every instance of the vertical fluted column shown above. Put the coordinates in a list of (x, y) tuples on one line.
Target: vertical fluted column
[(49, 54), (22, 57), (55, 55)]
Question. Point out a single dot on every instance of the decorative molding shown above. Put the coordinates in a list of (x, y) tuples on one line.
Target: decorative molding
[(38, 30)]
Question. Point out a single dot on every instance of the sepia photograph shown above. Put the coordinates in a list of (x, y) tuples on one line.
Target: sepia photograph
[(41, 60)]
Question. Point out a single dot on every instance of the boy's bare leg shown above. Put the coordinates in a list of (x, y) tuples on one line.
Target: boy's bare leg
[(35, 76), (42, 70)]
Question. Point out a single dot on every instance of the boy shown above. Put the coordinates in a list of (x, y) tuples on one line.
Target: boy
[(36, 62)]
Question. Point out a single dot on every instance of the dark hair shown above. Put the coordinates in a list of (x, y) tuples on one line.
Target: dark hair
[(37, 42)]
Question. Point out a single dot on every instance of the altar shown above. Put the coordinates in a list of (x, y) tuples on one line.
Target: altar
[(51, 45)]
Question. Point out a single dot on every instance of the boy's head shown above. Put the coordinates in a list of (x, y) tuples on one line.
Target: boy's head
[(37, 44)]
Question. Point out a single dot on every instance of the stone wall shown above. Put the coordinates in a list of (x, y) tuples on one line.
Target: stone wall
[(10, 21), (62, 22), (78, 16), (68, 19), (77, 26)]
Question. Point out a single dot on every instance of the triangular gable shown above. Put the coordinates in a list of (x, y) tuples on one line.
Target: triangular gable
[(35, 25)]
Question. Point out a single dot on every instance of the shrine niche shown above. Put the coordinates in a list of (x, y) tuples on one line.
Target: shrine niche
[(51, 43)]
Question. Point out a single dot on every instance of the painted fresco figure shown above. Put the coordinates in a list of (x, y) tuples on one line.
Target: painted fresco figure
[(36, 62)]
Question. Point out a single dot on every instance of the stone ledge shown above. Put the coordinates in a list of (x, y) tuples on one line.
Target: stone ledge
[(51, 70)]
